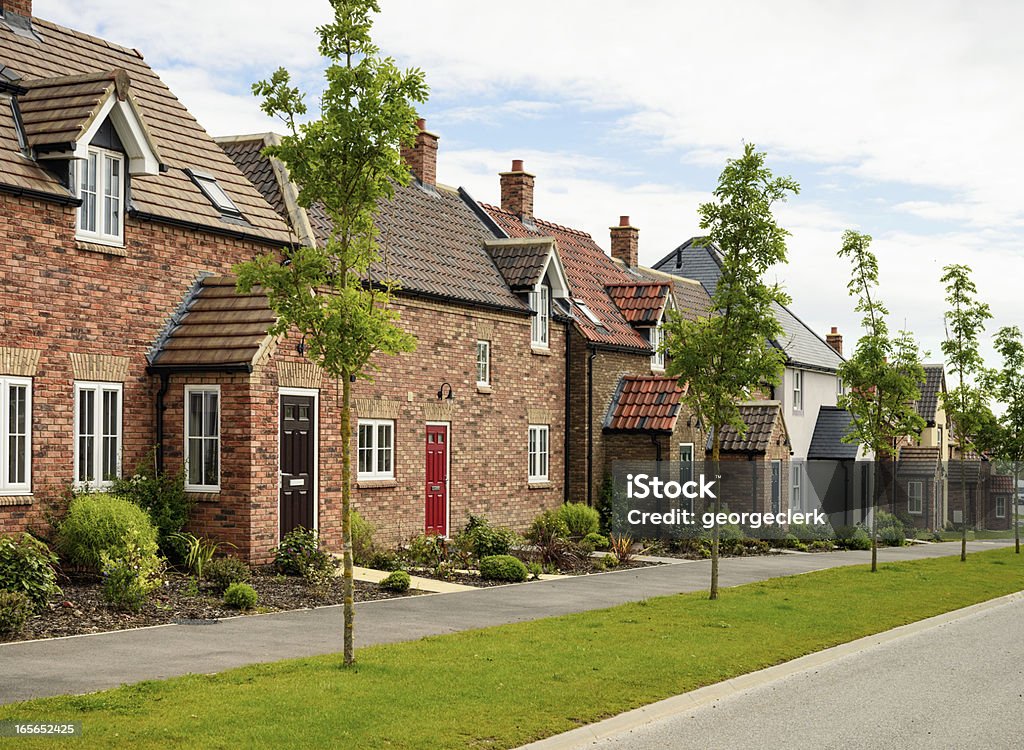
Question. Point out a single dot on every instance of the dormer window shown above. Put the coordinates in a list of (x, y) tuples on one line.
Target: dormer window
[(215, 194), (540, 303), (657, 336), (100, 185)]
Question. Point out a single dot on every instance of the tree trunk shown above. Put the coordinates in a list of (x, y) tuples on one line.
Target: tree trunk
[(874, 514), (716, 451), (346, 515), (1016, 510), (963, 505)]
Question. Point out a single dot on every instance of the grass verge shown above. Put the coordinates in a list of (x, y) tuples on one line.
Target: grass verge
[(505, 686)]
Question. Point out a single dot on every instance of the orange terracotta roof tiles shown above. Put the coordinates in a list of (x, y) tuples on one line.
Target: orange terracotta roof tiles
[(644, 404), (641, 303)]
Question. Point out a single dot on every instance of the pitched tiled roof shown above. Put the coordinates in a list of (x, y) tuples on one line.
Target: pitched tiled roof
[(934, 384), (970, 466), (832, 425), (1001, 484), (644, 404), (247, 155), (182, 143), (803, 347), (690, 296), (918, 461), (640, 303), (589, 271), (218, 327), (760, 418), (521, 263)]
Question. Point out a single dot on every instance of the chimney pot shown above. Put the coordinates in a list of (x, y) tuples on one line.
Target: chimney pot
[(422, 157), (517, 191), (626, 242)]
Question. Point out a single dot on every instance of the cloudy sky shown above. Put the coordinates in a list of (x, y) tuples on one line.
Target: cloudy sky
[(898, 119)]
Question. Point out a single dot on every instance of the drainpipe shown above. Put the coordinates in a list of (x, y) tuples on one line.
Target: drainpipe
[(657, 449), (590, 425), (161, 407), (568, 414)]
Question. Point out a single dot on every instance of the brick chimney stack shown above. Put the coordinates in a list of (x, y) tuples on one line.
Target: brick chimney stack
[(17, 7), (422, 158), (835, 340), (517, 191), (626, 242)]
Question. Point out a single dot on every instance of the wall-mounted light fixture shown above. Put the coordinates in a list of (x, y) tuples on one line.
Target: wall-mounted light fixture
[(441, 395)]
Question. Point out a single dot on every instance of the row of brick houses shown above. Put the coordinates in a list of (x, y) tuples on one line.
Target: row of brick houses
[(123, 339)]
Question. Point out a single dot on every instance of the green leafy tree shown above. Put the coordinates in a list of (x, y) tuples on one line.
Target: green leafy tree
[(345, 162), (967, 404), (1007, 387), (882, 375), (726, 356)]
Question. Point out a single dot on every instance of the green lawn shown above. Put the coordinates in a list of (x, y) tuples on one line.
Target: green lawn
[(504, 686)]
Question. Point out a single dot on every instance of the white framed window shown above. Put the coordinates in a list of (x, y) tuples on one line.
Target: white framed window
[(540, 303), (796, 487), (657, 356), (16, 435), (97, 433), (376, 449), (915, 498), (1000, 506), (202, 438), (840, 388), (798, 390), (539, 456), (483, 362), (99, 182)]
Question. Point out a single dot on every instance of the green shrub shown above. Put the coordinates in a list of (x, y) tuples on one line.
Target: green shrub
[(397, 581), (362, 539), (890, 530), (820, 545), (853, 537), (597, 541), (15, 608), (580, 519), (297, 547), (811, 532), (103, 523), (221, 572), (164, 498), (535, 569), (130, 574), (503, 568), (425, 551), (549, 534), (318, 571), (488, 540), (27, 565), (385, 561), (240, 596), (199, 551), (792, 541)]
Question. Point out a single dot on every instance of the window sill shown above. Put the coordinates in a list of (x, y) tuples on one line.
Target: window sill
[(540, 485), (483, 388), (375, 484), (26, 499), (204, 495), (102, 249), (541, 351)]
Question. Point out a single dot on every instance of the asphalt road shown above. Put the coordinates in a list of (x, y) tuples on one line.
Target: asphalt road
[(957, 685)]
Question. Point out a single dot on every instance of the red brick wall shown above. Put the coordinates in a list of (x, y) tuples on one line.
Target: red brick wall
[(61, 299)]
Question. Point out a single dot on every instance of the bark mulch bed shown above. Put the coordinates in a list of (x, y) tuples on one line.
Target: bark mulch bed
[(472, 579), (82, 609)]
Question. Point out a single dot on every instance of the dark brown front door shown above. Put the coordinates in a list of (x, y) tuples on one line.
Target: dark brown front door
[(298, 447), (437, 480)]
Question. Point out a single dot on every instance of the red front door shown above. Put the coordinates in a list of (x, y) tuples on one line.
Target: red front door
[(437, 480)]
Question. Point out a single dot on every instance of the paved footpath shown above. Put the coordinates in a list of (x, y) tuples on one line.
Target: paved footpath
[(82, 664)]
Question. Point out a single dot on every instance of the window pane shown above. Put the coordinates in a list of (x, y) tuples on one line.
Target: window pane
[(365, 448), (211, 462), (112, 197), (86, 426), (195, 414), (211, 426), (195, 461)]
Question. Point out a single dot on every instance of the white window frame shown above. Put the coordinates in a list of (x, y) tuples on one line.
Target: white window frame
[(215, 439), (657, 356), (483, 364), (99, 236), (1000, 500), (796, 490), (840, 388), (96, 480), (376, 450), (798, 390), (915, 497), (539, 453), (8, 487), (540, 303)]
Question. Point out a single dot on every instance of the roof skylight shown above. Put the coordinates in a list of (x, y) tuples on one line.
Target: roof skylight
[(215, 193), (587, 311)]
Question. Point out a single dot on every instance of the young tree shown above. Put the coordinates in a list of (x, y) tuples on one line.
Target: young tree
[(883, 374), (1007, 386), (966, 404), (727, 355), (345, 162)]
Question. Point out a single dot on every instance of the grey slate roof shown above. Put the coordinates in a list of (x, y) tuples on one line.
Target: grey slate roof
[(803, 347), (934, 384), (832, 425)]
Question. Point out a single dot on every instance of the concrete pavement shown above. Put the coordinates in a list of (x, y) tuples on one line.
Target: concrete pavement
[(951, 681), (81, 664)]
